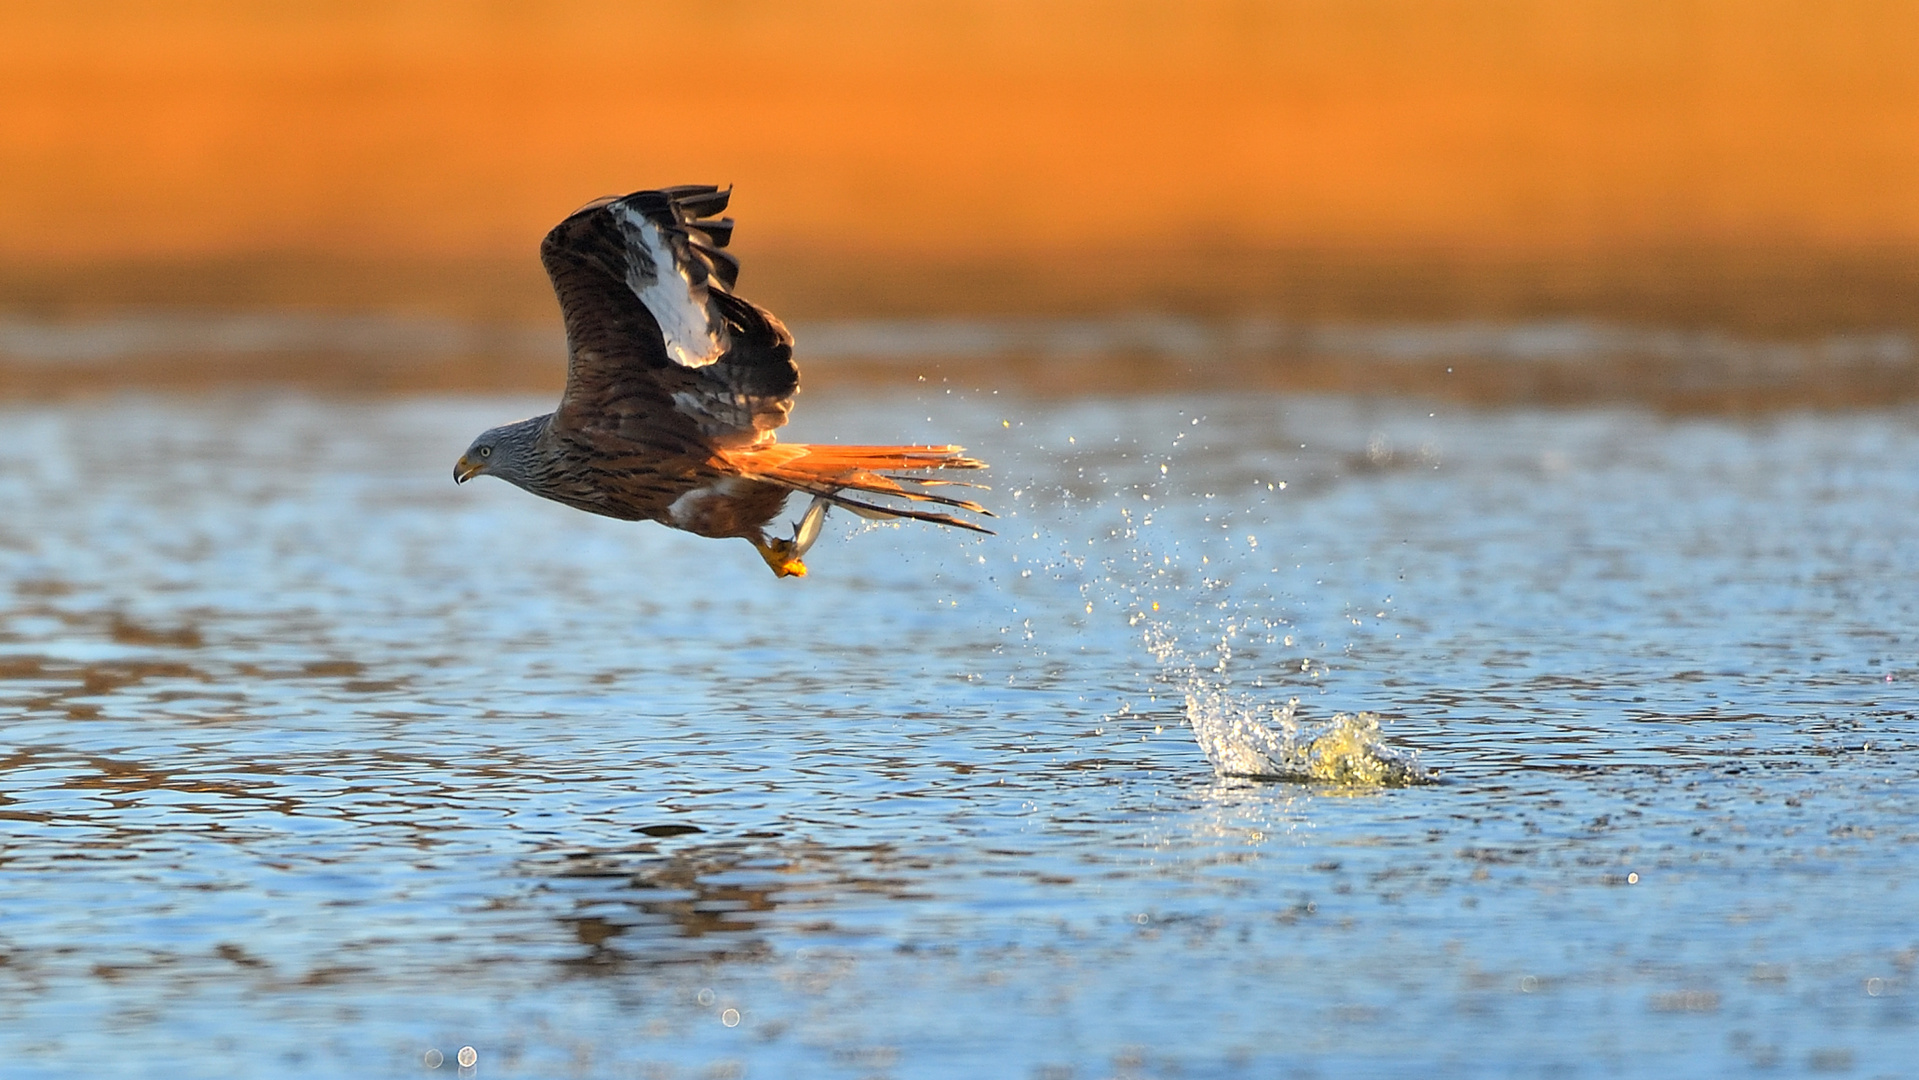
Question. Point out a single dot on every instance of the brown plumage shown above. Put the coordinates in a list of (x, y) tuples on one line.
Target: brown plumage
[(674, 387)]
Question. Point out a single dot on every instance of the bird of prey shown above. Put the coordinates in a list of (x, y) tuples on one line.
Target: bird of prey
[(674, 389)]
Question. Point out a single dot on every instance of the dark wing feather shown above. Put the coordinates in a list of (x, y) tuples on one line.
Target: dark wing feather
[(660, 350), (723, 264)]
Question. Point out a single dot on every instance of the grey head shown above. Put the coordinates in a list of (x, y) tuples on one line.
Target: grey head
[(510, 452)]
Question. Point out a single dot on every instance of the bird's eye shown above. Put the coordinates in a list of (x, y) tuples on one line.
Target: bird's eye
[(486, 451)]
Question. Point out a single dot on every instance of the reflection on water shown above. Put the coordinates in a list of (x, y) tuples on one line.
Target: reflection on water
[(311, 761)]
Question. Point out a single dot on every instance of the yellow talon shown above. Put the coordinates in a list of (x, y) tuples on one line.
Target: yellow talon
[(784, 555), (779, 556)]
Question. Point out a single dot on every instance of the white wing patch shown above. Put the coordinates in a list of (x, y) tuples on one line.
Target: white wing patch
[(688, 509), (661, 283)]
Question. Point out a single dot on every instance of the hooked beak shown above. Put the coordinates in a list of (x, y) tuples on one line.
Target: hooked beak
[(467, 469)]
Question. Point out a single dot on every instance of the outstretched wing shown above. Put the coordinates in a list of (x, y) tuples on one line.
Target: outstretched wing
[(660, 350)]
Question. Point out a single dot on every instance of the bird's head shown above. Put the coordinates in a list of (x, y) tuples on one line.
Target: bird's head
[(502, 451)]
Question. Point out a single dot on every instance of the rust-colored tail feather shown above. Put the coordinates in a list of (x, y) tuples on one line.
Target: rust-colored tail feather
[(827, 471)]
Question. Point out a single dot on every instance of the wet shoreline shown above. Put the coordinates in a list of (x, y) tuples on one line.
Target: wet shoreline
[(1543, 363)]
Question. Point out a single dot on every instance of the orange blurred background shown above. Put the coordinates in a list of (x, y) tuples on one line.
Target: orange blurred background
[(1752, 163)]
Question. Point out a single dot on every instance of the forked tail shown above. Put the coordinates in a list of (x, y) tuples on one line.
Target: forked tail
[(830, 471)]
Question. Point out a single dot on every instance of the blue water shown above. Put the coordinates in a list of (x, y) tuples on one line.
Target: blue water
[(312, 763)]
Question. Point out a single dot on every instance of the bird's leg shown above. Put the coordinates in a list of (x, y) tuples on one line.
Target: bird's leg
[(784, 555), (778, 555)]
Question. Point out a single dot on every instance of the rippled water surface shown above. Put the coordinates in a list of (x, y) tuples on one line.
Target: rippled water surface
[(314, 764)]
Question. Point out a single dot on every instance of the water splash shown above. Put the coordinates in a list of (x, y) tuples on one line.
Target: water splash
[(1243, 737), (1188, 566), (1207, 602), (1248, 736)]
